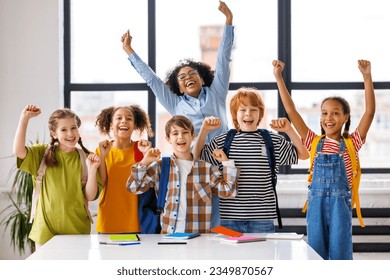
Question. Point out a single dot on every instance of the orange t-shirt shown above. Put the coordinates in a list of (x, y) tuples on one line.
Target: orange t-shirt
[(118, 207)]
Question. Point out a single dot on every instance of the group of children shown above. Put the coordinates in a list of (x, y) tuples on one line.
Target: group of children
[(203, 176)]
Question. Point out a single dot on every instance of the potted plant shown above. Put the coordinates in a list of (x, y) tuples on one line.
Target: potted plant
[(16, 215)]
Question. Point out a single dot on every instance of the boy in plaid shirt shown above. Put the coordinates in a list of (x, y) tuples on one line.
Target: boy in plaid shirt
[(191, 184)]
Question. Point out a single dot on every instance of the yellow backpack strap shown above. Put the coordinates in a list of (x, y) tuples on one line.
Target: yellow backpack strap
[(356, 174), (313, 150)]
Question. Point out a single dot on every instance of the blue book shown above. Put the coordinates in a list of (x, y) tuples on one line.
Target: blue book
[(181, 235)]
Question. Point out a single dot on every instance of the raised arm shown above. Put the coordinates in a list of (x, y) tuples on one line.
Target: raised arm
[(209, 124), (126, 43), (288, 103), (19, 145), (368, 116), (226, 11), (91, 188), (283, 125)]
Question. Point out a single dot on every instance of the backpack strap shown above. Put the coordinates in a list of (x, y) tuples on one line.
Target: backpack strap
[(313, 150), (41, 172), (272, 164), (356, 174), (162, 189), (138, 155), (228, 141), (84, 178)]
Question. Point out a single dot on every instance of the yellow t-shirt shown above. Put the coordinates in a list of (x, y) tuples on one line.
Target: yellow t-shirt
[(118, 207)]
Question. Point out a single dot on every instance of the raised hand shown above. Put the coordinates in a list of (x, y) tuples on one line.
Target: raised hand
[(93, 161), (104, 147), (219, 155), (153, 154), (144, 145), (211, 123), (126, 42), (31, 111), (226, 11), (278, 67), (364, 66), (280, 125)]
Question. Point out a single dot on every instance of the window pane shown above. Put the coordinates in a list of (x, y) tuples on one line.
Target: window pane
[(328, 37), (88, 106), (376, 151), (96, 49), (180, 36)]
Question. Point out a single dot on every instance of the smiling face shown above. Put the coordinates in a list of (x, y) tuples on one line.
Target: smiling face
[(248, 117), (67, 134), (179, 132), (189, 81), (333, 118), (122, 123)]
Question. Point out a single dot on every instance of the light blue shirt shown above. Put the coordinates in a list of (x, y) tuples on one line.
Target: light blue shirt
[(211, 100)]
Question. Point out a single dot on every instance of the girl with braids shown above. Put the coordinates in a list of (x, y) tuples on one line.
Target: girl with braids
[(118, 208), (329, 211), (60, 207)]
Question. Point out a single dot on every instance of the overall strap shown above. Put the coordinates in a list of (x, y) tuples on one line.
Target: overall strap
[(228, 141), (84, 178), (272, 164), (164, 178), (37, 190)]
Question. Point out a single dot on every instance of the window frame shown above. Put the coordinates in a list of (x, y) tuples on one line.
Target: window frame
[(284, 54)]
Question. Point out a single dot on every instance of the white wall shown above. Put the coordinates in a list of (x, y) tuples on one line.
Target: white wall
[(31, 67)]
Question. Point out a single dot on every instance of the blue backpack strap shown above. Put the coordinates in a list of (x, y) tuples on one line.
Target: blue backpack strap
[(164, 178), (228, 140), (272, 164)]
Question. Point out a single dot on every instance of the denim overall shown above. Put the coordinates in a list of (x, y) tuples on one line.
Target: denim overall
[(329, 212)]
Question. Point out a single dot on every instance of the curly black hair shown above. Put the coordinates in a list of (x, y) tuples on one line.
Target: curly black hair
[(204, 71)]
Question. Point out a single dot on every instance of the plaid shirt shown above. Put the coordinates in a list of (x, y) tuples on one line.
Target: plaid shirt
[(203, 180)]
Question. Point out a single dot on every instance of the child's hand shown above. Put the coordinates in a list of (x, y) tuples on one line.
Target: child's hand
[(364, 66), (144, 145), (226, 11), (278, 67), (105, 146), (219, 155), (93, 161), (153, 154), (126, 42), (280, 125), (31, 111), (211, 123)]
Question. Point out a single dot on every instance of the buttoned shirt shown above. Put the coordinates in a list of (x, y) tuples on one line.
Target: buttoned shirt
[(203, 181)]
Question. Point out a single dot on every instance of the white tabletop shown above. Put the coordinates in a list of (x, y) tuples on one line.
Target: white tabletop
[(87, 247)]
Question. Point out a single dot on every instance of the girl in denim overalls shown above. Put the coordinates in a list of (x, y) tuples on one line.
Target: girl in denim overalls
[(329, 212)]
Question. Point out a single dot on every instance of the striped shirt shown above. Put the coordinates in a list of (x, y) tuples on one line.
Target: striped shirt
[(331, 146), (255, 198), (203, 181)]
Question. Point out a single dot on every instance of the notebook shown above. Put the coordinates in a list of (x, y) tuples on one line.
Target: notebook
[(181, 235), (124, 237), (226, 231)]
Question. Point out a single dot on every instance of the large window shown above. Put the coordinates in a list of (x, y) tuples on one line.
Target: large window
[(320, 42)]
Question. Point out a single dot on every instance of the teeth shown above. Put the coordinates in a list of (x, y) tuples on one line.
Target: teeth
[(190, 83)]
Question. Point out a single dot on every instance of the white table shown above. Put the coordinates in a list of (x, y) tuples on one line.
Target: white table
[(205, 247)]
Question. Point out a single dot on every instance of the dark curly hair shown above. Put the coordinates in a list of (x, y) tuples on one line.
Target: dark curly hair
[(141, 119), (204, 71), (346, 110)]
